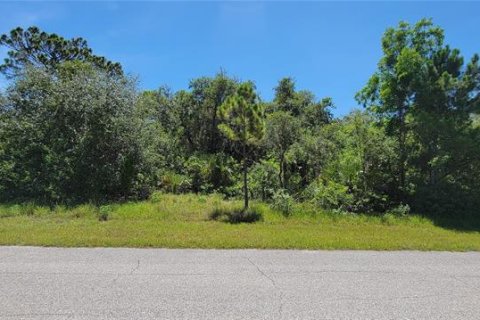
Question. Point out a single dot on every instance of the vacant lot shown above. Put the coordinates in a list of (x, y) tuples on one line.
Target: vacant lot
[(182, 221)]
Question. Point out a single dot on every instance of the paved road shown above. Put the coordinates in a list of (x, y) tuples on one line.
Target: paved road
[(55, 283)]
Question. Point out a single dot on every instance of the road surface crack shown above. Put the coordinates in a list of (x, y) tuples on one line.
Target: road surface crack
[(274, 284), (263, 273)]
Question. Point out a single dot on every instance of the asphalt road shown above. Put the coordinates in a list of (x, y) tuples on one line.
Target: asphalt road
[(56, 283)]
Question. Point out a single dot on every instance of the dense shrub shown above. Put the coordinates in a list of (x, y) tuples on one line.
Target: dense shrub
[(69, 136), (328, 195), (264, 179), (175, 183), (104, 212), (235, 215), (211, 173), (283, 202)]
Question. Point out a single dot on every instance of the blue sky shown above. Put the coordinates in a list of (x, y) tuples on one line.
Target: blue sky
[(328, 48)]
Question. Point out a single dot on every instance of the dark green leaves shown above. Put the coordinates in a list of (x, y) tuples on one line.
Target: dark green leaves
[(242, 116), (36, 48)]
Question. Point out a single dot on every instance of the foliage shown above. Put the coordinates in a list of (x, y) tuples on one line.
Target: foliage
[(236, 215), (364, 162), (301, 104), (243, 121), (193, 115), (400, 210), (282, 132), (104, 212), (317, 114), (175, 183), (35, 48), (211, 173), (74, 129), (69, 137), (283, 202), (328, 195), (263, 177), (426, 97), (311, 154)]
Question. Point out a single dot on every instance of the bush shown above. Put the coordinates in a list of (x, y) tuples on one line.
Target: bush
[(389, 219), (263, 180), (211, 173), (235, 215), (328, 195), (156, 197), (104, 213), (27, 209), (400, 210), (447, 200), (283, 202), (175, 183), (69, 137), (223, 172), (198, 171)]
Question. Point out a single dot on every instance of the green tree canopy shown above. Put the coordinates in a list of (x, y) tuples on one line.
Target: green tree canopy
[(283, 130), (426, 97), (33, 47), (243, 121), (69, 137)]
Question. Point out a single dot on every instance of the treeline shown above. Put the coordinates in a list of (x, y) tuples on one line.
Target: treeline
[(74, 128)]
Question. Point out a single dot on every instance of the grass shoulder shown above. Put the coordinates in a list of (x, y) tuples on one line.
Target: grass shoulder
[(186, 221)]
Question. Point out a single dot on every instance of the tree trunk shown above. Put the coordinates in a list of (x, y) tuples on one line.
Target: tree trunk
[(402, 145), (245, 178), (280, 174), (282, 170), (402, 138)]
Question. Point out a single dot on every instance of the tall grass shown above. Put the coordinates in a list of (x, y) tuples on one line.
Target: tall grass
[(167, 220), (193, 207)]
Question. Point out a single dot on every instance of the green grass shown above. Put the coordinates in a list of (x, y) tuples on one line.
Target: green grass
[(182, 221)]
